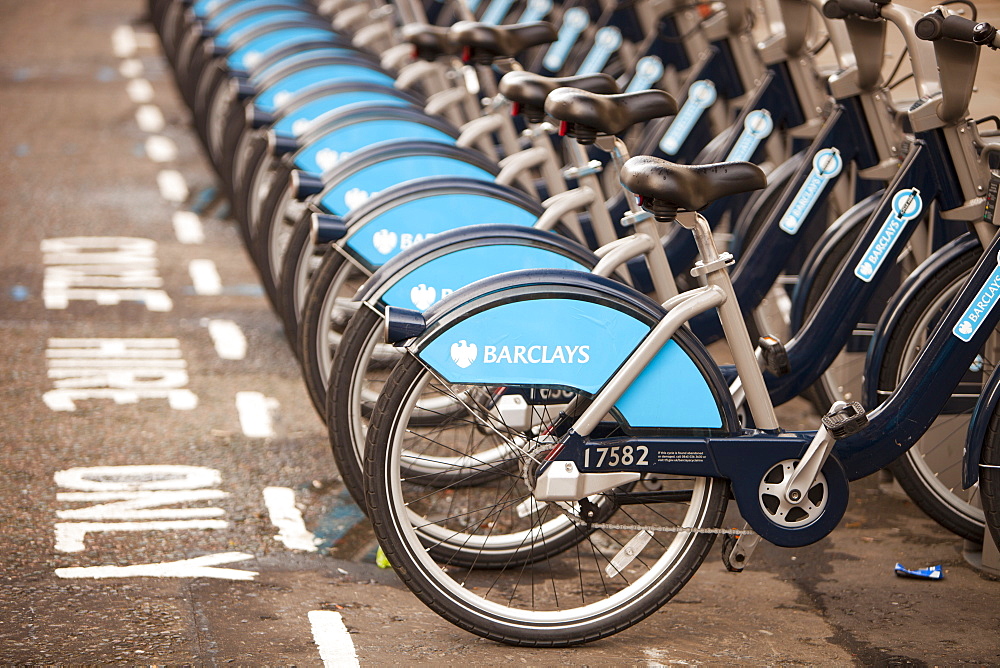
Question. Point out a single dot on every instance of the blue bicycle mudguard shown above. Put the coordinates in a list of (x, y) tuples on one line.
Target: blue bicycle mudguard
[(426, 272), (357, 179), (228, 17), (404, 221), (246, 56), (272, 98), (284, 59), (205, 9), (302, 110), (571, 330), (228, 36), (359, 126)]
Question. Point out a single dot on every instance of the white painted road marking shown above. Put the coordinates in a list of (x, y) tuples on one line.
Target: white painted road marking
[(123, 41), (136, 505), (161, 149), (205, 277), (137, 477), (70, 535), (199, 567), (125, 370), (104, 270), (173, 187), (255, 414), (228, 339), (131, 68), (149, 118), (280, 502), (139, 91), (334, 641), (188, 228)]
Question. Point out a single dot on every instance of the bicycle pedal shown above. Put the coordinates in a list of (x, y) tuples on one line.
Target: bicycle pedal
[(845, 419), (774, 355), (736, 550)]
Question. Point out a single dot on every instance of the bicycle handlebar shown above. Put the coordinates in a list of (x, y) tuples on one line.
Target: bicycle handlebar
[(841, 9), (935, 25)]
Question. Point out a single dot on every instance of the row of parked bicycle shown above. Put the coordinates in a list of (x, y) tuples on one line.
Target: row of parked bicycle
[(506, 333)]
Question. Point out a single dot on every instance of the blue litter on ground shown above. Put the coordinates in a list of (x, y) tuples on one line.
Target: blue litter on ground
[(19, 293), (929, 573)]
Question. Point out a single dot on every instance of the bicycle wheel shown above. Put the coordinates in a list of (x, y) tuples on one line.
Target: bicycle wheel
[(326, 312), (989, 478), (360, 368), (931, 471), (553, 579)]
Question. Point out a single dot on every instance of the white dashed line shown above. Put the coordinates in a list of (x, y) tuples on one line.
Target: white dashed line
[(254, 410), (199, 567), (150, 118), (139, 91), (161, 149), (188, 228), (292, 532), (228, 339), (123, 41), (131, 68), (173, 187), (334, 641), (205, 277)]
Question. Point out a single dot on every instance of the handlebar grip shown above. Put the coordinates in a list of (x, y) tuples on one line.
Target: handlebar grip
[(841, 9), (935, 25)]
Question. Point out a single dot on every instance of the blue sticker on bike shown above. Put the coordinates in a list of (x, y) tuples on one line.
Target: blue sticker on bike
[(980, 307), (575, 21), (323, 154), (827, 164), (607, 40), (536, 10), (648, 73), (906, 206), (757, 127), (701, 96)]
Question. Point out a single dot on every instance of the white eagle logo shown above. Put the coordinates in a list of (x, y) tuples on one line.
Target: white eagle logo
[(422, 296), (463, 353)]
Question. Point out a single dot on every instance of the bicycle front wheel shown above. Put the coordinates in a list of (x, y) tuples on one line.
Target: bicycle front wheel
[(495, 561), (931, 471)]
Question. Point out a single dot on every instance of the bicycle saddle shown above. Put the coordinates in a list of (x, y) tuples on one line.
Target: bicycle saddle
[(528, 90), (586, 115), (429, 41), (664, 187), (483, 42)]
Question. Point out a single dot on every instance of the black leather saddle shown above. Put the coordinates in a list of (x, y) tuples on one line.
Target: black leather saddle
[(429, 42), (482, 42), (528, 90), (587, 115), (665, 187)]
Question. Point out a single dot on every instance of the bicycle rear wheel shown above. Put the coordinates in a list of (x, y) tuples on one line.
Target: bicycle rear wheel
[(545, 577)]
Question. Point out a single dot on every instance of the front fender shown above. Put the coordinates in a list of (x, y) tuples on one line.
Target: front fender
[(573, 331), (978, 426)]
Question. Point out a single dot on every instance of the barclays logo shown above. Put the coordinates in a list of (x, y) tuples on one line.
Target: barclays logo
[(385, 241), (327, 158), (464, 353), (422, 296)]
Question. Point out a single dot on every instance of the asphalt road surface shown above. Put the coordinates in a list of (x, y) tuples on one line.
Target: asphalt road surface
[(193, 514)]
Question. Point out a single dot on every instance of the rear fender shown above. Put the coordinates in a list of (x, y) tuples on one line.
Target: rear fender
[(555, 329)]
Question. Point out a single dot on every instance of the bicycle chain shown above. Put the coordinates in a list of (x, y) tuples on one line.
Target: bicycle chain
[(638, 527)]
